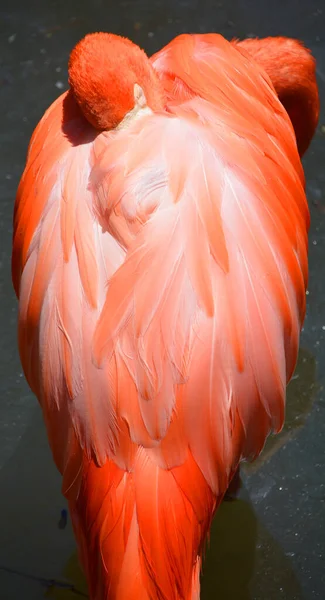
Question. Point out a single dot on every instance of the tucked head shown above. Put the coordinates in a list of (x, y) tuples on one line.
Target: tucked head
[(110, 76)]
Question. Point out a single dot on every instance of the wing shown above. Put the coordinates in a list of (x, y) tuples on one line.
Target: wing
[(206, 310), (61, 262)]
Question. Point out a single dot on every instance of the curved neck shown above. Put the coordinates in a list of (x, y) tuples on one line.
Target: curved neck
[(291, 68)]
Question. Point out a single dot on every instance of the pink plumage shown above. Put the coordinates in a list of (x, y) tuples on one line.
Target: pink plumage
[(161, 269)]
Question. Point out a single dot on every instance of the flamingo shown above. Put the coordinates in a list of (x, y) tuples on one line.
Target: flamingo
[(160, 262)]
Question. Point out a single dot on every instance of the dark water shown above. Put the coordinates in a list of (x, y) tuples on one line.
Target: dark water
[(269, 543)]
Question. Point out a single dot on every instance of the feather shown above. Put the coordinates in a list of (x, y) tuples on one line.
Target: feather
[(161, 270)]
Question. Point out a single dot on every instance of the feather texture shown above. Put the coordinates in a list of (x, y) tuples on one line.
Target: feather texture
[(161, 270)]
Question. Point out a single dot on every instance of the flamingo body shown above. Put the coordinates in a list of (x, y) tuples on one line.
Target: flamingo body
[(160, 260)]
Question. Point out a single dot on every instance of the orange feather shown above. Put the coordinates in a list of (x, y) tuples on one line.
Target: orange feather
[(160, 261)]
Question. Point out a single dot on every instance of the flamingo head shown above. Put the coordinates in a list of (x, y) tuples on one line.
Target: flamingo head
[(112, 79)]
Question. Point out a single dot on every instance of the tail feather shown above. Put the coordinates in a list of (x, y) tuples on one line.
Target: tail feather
[(144, 529)]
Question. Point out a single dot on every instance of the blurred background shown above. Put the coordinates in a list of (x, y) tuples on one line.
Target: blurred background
[(268, 544)]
